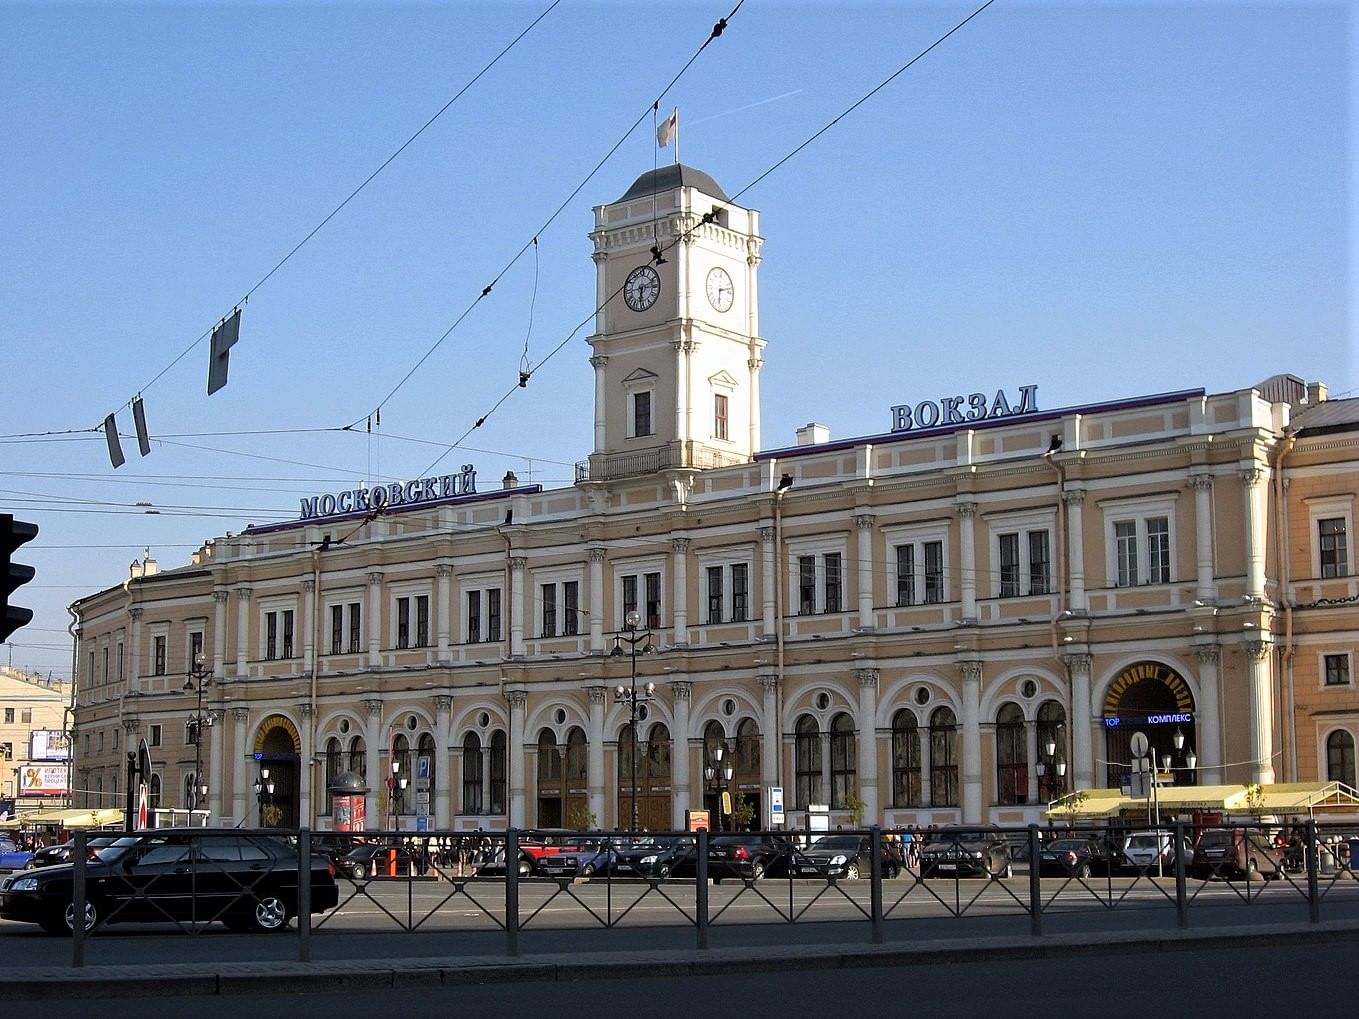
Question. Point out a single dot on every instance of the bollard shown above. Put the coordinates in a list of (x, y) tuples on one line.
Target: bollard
[(304, 895), (875, 875), (512, 891), (701, 887)]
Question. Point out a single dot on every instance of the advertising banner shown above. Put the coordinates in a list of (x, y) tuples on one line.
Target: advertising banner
[(49, 745), (43, 780)]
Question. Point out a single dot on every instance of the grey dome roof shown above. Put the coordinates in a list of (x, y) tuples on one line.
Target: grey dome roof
[(667, 178)]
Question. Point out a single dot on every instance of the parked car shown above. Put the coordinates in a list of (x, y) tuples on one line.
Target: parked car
[(844, 856), (1146, 851), (61, 853), (589, 856), (1239, 853), (653, 856), (966, 852), (192, 875), (12, 857), (370, 860), (1079, 858), (746, 855)]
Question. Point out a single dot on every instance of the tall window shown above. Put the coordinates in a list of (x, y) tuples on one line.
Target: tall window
[(1139, 542), (1024, 562), (1340, 757), (641, 414), (807, 753), (719, 416), (498, 771), (1012, 771), (334, 765), (1333, 547), (1051, 732), (571, 607), (1040, 563), (1337, 671), (195, 651), (906, 575), (934, 572), (806, 585), (472, 802), (653, 601), (1125, 537), (842, 762), (648, 586), (336, 629), (1158, 550), (412, 621), (549, 610), (278, 634), (483, 615), (905, 759), (943, 758), (832, 565), (422, 620), (1009, 565), (740, 592), (158, 662), (355, 626), (714, 594), (358, 757)]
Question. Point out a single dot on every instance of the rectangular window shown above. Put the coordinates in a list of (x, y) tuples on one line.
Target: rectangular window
[(1158, 550), (934, 572), (629, 594), (106, 665), (571, 608), (641, 414), (195, 647), (1125, 542), (153, 735), (1040, 563), (270, 636), (403, 622), (1337, 668), (714, 594), (493, 614), (92, 677), (549, 628), (653, 600), (120, 661), (355, 626), (6, 751), (26, 716), (9, 716), (286, 647), (905, 574), (1334, 547), (719, 416), (336, 629), (831, 561), (422, 620), (806, 585), (473, 617), (1009, 565), (158, 666), (740, 594)]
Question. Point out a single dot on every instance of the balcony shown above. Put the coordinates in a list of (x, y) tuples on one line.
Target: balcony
[(673, 455)]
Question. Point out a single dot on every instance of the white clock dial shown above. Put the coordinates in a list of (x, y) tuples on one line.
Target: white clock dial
[(720, 289), (641, 288)]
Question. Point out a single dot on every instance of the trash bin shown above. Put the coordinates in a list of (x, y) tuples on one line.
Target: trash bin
[(1354, 855)]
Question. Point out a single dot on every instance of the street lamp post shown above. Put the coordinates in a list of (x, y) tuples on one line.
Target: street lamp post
[(717, 773), (1048, 759), (629, 694), (396, 791), (264, 792), (198, 679)]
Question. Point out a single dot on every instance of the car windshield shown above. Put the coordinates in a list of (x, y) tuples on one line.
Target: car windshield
[(949, 837), (1143, 841), (837, 842), (1068, 845), (1216, 838), (117, 848)]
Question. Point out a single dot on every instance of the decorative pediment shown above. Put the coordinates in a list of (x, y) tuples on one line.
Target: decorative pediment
[(722, 380)]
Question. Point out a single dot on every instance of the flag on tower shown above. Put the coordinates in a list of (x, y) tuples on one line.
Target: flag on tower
[(668, 128)]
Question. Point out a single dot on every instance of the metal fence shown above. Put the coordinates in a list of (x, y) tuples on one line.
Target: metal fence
[(876, 881)]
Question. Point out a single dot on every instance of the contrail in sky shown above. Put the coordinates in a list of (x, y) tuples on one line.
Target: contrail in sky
[(741, 109)]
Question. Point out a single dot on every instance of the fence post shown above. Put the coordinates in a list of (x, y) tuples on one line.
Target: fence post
[(1035, 883), (875, 874), (304, 895), (1181, 892), (1313, 896), (78, 855), (512, 891), (701, 887)]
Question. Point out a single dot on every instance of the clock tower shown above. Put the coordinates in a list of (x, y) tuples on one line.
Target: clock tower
[(676, 343)]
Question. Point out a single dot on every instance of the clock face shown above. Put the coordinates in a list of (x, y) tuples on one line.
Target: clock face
[(642, 288), (720, 289)]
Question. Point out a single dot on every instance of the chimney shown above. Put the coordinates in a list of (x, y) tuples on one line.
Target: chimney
[(510, 480), (135, 570), (150, 567), (1316, 392), (812, 434)]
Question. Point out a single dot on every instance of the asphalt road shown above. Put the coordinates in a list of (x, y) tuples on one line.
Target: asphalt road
[(1275, 980)]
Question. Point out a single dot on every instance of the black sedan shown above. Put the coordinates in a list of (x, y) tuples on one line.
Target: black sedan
[(371, 860), (1079, 858), (847, 856), (746, 855), (61, 853), (966, 852), (192, 875)]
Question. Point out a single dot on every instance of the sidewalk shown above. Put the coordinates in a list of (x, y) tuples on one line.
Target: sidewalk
[(243, 978)]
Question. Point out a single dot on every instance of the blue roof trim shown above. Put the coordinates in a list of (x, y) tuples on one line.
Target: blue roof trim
[(457, 500), (1043, 415)]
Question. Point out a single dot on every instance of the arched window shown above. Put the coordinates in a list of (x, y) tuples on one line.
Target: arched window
[(153, 794), (807, 754), (576, 757), (472, 802), (358, 757), (1051, 764), (399, 767), (334, 766), (424, 751), (1012, 756), (498, 771), (747, 752), (842, 760), (905, 759), (943, 758), (1340, 757)]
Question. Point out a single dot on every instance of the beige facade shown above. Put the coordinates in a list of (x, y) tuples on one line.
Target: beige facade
[(902, 624), (30, 704)]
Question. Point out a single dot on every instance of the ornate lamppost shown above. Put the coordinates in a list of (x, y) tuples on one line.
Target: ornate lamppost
[(629, 694), (198, 679), (264, 792), (717, 773)]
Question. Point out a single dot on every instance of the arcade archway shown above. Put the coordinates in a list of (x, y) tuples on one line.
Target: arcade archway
[(1153, 699)]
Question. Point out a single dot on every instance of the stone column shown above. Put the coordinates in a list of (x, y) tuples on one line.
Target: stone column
[(598, 362), (307, 624), (307, 777), (769, 730), (769, 628), (374, 620), (1252, 482), (376, 780), (241, 781), (865, 524), (680, 610), (596, 601), (868, 744), (217, 766), (1206, 588), (1082, 764), (446, 611), (826, 796), (680, 692), (1209, 728), (972, 775), (1075, 548), (967, 512), (219, 632), (134, 670), (1031, 749), (754, 364), (518, 700), (518, 606), (242, 630), (1259, 654), (443, 707), (594, 757)]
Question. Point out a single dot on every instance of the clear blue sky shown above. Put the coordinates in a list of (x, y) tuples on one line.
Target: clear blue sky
[(1103, 199)]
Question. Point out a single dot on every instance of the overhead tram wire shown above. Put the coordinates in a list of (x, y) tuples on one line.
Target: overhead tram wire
[(716, 31), (659, 249)]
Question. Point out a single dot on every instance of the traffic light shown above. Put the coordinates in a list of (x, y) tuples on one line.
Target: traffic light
[(13, 533)]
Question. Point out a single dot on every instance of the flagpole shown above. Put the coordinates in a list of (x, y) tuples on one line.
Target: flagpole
[(677, 162)]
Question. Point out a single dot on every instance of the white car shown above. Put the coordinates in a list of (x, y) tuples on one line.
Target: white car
[(1144, 849)]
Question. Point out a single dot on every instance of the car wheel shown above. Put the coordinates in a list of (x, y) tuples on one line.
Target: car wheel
[(270, 914), (91, 917), (360, 872), (1252, 870), (30, 864), (525, 868), (663, 871), (852, 870), (757, 870), (588, 870), (1083, 871)]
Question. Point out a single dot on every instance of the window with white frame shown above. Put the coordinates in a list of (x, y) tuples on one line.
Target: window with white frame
[(817, 575), (1331, 521), (1021, 553), (278, 634), (1139, 540), (195, 648), (1335, 669), (120, 661), (725, 577), (153, 734), (640, 388), (159, 643), (723, 387), (1340, 757), (345, 613), (639, 589), (918, 563), (482, 597), (558, 602), (410, 614)]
